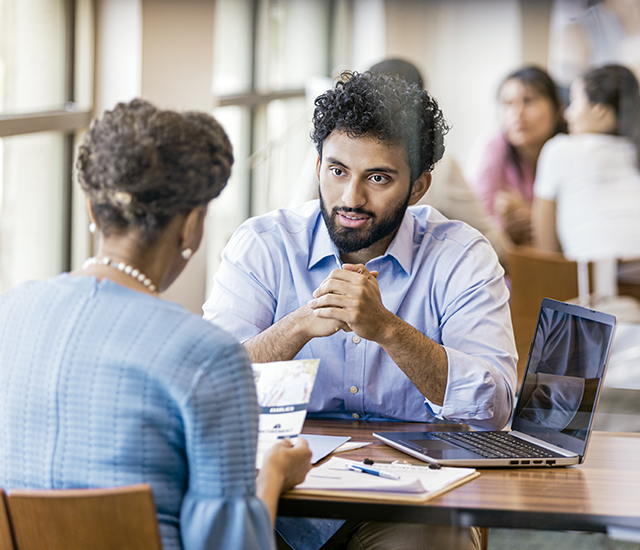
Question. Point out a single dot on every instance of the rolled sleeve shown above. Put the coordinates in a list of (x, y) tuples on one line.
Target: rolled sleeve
[(477, 335)]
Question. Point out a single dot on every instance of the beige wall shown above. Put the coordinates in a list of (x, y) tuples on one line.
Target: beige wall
[(177, 67), (161, 50), (536, 18)]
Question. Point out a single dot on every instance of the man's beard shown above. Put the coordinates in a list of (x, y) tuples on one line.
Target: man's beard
[(348, 239)]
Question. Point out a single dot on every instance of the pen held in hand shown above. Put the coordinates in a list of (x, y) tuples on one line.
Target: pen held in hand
[(365, 470)]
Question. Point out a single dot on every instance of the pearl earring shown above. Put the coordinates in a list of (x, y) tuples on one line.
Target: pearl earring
[(92, 227), (186, 253)]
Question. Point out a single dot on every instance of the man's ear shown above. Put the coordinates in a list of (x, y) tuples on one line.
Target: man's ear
[(420, 187), (318, 164)]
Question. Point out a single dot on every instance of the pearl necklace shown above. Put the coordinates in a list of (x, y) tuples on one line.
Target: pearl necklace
[(125, 268)]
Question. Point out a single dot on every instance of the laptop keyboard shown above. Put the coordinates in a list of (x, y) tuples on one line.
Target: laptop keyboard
[(494, 445)]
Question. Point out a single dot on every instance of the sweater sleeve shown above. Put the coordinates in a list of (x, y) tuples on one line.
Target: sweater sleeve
[(220, 509)]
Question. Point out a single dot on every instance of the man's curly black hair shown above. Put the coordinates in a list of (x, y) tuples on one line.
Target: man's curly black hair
[(141, 166), (385, 107)]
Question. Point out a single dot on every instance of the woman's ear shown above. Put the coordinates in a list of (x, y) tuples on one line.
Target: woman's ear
[(420, 187), (193, 228), (92, 218), (604, 117)]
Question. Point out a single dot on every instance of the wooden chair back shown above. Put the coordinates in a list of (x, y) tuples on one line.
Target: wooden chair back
[(6, 537), (83, 519), (534, 275)]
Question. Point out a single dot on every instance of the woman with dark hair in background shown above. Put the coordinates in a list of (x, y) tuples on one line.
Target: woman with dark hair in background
[(587, 189), (502, 169), (102, 383)]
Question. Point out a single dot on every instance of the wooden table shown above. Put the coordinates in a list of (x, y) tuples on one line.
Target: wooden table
[(601, 493)]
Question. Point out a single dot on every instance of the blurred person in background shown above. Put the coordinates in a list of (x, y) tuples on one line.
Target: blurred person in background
[(502, 167), (600, 33), (587, 189)]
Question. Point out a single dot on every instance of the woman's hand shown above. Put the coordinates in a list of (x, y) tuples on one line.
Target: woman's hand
[(290, 461), (515, 211), (284, 466)]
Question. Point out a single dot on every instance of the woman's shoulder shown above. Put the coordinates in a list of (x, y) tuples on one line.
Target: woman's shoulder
[(173, 335), (587, 146), (493, 141), (200, 339), (489, 149), (560, 145)]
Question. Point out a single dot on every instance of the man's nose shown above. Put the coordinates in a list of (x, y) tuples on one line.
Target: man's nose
[(354, 195)]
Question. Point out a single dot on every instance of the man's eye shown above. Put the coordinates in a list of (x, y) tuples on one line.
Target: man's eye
[(337, 171), (377, 178)]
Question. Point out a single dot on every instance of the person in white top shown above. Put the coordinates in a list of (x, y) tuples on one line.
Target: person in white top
[(587, 187)]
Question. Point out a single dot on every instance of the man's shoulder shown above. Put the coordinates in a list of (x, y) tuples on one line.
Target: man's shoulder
[(296, 220), (432, 224)]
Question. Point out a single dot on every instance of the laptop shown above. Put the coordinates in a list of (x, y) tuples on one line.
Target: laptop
[(554, 410)]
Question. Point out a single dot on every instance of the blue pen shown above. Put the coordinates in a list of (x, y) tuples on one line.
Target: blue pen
[(381, 473)]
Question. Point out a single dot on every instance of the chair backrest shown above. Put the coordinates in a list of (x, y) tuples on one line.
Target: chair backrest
[(534, 275), (6, 538), (83, 519)]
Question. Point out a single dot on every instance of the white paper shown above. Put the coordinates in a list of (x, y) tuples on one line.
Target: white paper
[(283, 389), (414, 479), (323, 445)]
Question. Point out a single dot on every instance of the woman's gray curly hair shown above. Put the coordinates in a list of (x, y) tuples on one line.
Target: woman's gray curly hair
[(141, 166)]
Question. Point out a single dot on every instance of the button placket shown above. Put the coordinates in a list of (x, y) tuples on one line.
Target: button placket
[(354, 376)]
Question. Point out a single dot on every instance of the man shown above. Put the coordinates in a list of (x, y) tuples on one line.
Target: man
[(449, 194), (406, 310)]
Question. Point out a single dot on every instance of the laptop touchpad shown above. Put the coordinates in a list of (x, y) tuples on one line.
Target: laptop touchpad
[(440, 450)]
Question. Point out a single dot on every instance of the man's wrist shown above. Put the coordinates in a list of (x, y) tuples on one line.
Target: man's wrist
[(391, 326)]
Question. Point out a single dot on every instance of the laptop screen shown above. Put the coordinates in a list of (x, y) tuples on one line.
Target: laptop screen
[(564, 374)]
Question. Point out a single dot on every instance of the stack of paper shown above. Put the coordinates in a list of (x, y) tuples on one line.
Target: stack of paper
[(415, 482)]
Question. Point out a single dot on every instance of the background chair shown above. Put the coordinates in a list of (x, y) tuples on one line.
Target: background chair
[(6, 538), (82, 519), (534, 275)]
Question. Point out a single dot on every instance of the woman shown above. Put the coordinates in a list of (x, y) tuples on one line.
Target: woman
[(102, 383), (502, 169), (587, 190)]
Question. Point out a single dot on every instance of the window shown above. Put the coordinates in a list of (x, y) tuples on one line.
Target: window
[(45, 99), (266, 54)]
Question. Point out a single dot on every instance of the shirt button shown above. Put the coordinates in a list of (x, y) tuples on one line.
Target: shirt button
[(353, 389), (356, 339), (355, 415)]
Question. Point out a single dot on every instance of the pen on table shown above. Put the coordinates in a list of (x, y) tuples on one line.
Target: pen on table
[(373, 472)]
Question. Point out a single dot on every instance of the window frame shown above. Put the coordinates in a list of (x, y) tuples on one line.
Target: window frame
[(68, 121)]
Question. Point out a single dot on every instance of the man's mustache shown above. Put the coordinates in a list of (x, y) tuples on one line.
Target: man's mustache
[(348, 210)]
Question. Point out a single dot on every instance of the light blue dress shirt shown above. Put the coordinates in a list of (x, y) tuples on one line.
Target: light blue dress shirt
[(103, 386), (440, 276)]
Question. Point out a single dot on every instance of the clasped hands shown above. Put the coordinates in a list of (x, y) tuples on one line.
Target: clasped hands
[(349, 299)]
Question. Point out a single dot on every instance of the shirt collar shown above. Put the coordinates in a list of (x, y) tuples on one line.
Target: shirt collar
[(401, 248), (322, 246)]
